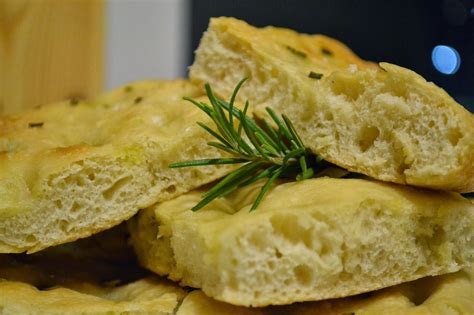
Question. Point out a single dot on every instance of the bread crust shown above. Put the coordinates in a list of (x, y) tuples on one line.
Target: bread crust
[(145, 296), (98, 275), (311, 240), (75, 168), (386, 122), (432, 295)]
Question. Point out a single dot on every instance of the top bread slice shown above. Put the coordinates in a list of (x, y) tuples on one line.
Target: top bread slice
[(387, 122), (311, 240), (72, 169)]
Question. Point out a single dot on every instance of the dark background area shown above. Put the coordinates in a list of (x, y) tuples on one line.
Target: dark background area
[(403, 32)]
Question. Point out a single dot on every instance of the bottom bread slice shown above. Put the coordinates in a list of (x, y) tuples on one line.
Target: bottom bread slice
[(312, 240), (441, 295), (96, 275), (144, 296), (29, 285)]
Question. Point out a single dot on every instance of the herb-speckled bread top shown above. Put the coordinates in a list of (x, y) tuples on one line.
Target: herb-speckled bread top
[(386, 122), (72, 169)]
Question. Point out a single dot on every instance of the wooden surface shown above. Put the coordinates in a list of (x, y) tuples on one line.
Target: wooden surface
[(49, 50)]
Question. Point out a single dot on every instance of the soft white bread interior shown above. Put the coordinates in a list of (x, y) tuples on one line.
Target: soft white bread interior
[(387, 123), (441, 295), (72, 169), (311, 240)]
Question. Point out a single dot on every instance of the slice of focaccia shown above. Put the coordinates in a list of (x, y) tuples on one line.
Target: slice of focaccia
[(145, 296), (388, 123), (311, 240), (442, 295), (72, 169)]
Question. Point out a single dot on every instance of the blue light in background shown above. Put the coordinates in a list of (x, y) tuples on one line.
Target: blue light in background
[(445, 59)]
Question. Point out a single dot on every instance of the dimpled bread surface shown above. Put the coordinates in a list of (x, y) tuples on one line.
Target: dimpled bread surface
[(311, 240), (386, 122), (75, 168)]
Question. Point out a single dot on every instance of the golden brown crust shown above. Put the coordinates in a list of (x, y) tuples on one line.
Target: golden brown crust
[(386, 122), (302, 52), (440, 295), (72, 169), (97, 275), (146, 296)]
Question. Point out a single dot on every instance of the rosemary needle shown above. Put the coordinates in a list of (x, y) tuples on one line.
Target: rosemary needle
[(264, 152)]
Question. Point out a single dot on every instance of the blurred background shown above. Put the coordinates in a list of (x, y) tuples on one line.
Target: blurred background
[(57, 49)]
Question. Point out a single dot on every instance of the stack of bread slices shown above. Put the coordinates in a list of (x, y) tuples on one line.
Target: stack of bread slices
[(93, 220)]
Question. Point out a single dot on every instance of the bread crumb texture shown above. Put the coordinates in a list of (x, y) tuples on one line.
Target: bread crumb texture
[(386, 122), (72, 169), (442, 295), (311, 240)]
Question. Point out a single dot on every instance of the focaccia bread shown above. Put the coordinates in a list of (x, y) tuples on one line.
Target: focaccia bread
[(311, 240), (442, 295), (433, 295), (387, 123), (72, 169), (37, 284), (145, 296), (90, 276), (105, 257)]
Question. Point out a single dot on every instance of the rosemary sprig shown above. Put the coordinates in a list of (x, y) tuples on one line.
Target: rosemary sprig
[(263, 151)]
